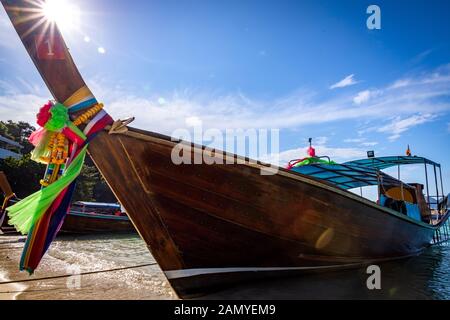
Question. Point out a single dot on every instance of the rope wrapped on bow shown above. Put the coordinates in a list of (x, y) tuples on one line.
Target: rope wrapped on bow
[(61, 145)]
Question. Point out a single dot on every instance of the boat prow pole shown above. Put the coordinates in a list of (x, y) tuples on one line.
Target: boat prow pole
[(48, 51)]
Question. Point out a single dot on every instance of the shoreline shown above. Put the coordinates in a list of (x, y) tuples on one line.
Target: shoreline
[(421, 277), (10, 291), (70, 255)]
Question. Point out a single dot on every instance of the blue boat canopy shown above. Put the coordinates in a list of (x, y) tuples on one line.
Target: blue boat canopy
[(346, 176), (387, 162), (104, 205)]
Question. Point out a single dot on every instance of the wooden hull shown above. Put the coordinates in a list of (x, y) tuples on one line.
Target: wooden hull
[(8, 194), (214, 225), (95, 223), (5, 227)]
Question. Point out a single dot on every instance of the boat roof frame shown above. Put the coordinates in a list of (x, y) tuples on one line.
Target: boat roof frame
[(357, 176), (391, 161)]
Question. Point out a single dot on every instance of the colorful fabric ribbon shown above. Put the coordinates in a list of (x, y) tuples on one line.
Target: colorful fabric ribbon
[(308, 161), (63, 146)]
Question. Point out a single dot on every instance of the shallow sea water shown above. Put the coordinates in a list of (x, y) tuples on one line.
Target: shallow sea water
[(423, 277)]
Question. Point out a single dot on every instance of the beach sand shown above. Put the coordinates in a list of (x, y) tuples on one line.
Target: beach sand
[(69, 255)]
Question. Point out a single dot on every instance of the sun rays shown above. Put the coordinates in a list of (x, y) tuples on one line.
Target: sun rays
[(66, 15), (48, 16), (47, 13)]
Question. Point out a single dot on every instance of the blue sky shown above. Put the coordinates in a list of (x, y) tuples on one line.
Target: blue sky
[(261, 64)]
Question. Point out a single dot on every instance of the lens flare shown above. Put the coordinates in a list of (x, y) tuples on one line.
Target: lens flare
[(64, 14)]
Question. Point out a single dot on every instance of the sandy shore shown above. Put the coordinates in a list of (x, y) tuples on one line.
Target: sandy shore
[(135, 283)]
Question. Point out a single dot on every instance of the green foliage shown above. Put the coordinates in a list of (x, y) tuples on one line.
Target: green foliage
[(102, 192), (24, 174), (19, 132), (91, 186), (86, 182)]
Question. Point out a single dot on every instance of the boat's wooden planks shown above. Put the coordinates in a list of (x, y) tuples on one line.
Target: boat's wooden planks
[(163, 183), (297, 228), (113, 163), (5, 186), (76, 223), (197, 190), (222, 215)]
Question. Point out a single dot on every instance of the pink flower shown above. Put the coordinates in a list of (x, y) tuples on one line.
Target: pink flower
[(44, 114)]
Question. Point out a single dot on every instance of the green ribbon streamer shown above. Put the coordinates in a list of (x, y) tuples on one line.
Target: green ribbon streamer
[(41, 147), (24, 214), (312, 160), (75, 129)]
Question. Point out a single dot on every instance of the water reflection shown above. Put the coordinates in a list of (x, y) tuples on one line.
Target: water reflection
[(423, 277)]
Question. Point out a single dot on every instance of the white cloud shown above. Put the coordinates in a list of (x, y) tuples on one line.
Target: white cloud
[(354, 140), (399, 125), (193, 121), (21, 107), (439, 76), (8, 36), (400, 83), (20, 100), (361, 141), (421, 56), (320, 140), (293, 111), (369, 144), (405, 105), (161, 100), (335, 154), (347, 81), (362, 97)]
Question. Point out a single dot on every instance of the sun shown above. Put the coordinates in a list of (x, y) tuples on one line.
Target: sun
[(63, 13)]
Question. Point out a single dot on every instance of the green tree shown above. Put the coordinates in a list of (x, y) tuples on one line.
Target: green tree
[(19, 132), (86, 182), (24, 174)]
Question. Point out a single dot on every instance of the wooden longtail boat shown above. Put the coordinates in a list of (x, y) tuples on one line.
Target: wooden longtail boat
[(8, 197), (214, 225), (92, 218), (83, 218)]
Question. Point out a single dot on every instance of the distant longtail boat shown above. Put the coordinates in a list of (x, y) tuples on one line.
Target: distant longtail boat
[(8, 198), (83, 217), (95, 217), (210, 226)]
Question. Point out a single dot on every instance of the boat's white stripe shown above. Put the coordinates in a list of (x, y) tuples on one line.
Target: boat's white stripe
[(184, 273), (93, 121)]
